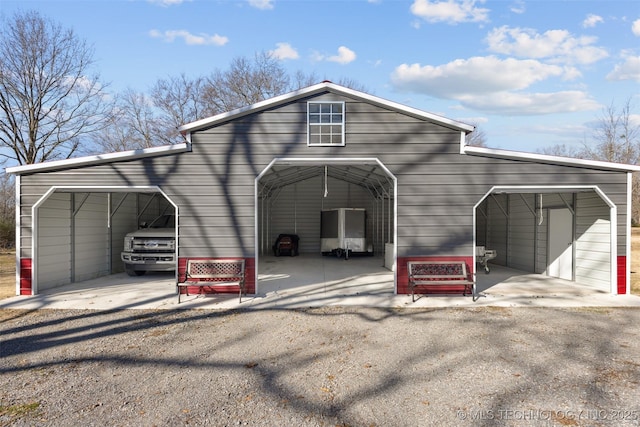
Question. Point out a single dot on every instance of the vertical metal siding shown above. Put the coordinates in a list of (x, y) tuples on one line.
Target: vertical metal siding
[(497, 227), (296, 209), (543, 243), (53, 266), (593, 242), (91, 236), (521, 232)]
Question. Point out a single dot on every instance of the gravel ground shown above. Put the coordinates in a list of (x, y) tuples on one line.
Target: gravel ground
[(321, 367)]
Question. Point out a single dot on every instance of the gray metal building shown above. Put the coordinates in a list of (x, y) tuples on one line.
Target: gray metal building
[(243, 177)]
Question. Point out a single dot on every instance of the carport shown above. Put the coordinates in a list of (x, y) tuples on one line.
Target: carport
[(244, 177), (79, 231), (562, 232), (292, 192)]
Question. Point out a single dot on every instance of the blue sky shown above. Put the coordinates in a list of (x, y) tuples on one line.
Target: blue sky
[(532, 74)]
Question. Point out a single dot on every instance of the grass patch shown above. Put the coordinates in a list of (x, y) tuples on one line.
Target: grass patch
[(7, 274), (635, 260), (20, 411)]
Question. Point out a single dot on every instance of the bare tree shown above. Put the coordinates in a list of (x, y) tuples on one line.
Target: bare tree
[(246, 82), (49, 103), (477, 138), (563, 150), (7, 211), (616, 138), (133, 125), (178, 100)]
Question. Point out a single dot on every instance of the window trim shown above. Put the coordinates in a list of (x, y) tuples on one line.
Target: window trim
[(310, 125)]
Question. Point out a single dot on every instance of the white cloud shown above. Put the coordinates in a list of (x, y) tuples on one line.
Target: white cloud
[(509, 103), (284, 51), (261, 4), (518, 7), (344, 56), (635, 27), (450, 11), (473, 77), (167, 3), (592, 20), (191, 39), (492, 85), (628, 70), (558, 45)]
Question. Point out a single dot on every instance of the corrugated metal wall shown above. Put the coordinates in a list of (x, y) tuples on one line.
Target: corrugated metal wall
[(593, 241), (76, 239), (517, 226), (437, 187), (497, 227), (296, 209), (54, 238), (91, 240), (522, 234)]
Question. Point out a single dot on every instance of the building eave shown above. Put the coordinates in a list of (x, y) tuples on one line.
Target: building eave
[(98, 159), (544, 158)]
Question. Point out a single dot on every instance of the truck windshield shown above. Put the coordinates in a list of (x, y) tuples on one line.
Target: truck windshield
[(164, 221)]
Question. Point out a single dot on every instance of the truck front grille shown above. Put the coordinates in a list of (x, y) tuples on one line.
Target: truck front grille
[(151, 245)]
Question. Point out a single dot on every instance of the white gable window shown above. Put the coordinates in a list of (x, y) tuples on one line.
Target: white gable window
[(325, 123)]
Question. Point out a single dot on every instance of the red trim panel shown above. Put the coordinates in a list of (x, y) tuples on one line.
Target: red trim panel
[(249, 277), (26, 284), (403, 271), (622, 275)]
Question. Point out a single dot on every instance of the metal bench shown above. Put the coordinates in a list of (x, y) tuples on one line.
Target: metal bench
[(213, 273), (440, 273)]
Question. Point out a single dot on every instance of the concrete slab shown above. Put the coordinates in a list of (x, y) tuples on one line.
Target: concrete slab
[(314, 281)]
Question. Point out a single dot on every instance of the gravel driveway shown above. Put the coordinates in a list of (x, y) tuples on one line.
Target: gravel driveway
[(321, 367)]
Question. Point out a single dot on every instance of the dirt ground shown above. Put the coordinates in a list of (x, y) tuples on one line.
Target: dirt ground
[(8, 264), (332, 366)]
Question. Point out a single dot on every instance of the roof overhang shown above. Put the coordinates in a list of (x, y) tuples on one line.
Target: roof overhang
[(543, 158), (99, 159), (317, 89)]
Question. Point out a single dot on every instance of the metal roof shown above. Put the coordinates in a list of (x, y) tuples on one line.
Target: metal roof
[(370, 177), (99, 159), (553, 160)]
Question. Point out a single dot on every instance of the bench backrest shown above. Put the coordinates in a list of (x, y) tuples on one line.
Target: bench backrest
[(438, 270), (215, 268)]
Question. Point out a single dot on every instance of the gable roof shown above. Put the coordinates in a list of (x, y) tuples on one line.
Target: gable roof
[(306, 92), (317, 89)]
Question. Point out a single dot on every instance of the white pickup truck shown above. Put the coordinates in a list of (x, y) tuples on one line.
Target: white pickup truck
[(151, 248)]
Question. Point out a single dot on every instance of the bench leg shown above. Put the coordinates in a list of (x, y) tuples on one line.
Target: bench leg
[(241, 291)]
